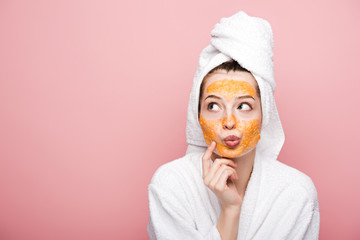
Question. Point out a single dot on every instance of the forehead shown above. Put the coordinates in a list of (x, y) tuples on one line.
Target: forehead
[(237, 76)]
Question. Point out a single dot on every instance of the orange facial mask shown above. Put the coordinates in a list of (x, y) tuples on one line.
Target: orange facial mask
[(229, 88), (249, 135), (249, 130)]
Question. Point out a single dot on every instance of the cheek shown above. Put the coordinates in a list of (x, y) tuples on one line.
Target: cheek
[(251, 134), (211, 129)]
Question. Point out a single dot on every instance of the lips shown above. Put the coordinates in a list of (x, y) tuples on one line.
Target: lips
[(232, 141)]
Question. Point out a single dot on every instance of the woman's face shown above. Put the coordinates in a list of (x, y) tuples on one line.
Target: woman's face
[(230, 112)]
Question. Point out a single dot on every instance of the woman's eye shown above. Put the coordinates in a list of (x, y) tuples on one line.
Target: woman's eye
[(213, 107), (244, 106)]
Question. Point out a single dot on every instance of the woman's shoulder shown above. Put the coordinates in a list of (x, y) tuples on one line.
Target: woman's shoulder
[(291, 179), (177, 172)]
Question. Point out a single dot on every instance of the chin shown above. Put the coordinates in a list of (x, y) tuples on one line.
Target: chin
[(226, 152)]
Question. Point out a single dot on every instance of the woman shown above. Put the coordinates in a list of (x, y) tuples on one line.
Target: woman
[(229, 185)]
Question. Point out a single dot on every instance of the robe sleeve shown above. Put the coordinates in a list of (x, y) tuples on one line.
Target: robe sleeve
[(170, 217), (309, 221), (294, 214), (306, 227), (312, 231)]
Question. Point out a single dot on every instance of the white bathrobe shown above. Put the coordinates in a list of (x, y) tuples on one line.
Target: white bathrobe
[(280, 202)]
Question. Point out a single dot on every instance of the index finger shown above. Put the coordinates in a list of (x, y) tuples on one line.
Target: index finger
[(206, 158)]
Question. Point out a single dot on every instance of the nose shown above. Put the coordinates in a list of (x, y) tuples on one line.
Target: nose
[(229, 122)]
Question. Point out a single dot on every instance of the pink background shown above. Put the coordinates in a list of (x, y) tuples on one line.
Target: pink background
[(93, 99)]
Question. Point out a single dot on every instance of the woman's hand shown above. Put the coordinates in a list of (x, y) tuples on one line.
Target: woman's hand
[(219, 178)]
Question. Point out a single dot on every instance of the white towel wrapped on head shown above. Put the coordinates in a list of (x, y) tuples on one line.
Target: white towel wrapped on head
[(249, 41)]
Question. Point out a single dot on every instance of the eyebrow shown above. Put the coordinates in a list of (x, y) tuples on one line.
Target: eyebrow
[(213, 96), (245, 96), (239, 97)]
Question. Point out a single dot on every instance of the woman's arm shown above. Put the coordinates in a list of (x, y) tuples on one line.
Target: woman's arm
[(171, 216), (228, 223), (218, 178)]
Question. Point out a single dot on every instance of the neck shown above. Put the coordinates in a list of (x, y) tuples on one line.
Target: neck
[(244, 166)]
